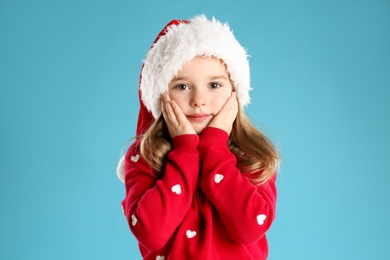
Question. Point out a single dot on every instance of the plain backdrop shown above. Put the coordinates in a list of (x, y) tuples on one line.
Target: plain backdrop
[(69, 72)]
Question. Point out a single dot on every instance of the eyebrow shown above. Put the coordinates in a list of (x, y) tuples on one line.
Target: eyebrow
[(219, 77), (209, 78)]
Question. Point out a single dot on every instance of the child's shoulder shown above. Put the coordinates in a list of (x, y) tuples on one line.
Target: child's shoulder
[(134, 149)]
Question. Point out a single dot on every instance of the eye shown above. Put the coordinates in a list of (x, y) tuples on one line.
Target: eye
[(181, 87), (215, 85)]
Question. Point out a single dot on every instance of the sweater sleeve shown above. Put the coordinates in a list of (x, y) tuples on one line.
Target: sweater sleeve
[(154, 207), (246, 210)]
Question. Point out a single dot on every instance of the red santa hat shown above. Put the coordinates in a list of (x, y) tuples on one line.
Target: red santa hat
[(178, 43)]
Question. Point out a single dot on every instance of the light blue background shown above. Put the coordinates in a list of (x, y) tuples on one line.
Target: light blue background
[(68, 103)]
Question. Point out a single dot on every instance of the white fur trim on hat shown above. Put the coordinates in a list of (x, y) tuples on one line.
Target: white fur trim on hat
[(183, 42), (120, 169)]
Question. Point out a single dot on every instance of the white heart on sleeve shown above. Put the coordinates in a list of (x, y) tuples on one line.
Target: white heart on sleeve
[(135, 158), (133, 220), (176, 189), (190, 234), (261, 218), (218, 178)]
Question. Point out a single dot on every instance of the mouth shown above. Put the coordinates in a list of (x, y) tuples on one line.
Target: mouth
[(198, 117)]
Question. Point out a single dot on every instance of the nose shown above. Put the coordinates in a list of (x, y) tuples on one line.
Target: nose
[(199, 98)]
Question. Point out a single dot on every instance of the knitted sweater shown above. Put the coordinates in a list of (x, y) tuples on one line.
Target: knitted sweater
[(202, 208)]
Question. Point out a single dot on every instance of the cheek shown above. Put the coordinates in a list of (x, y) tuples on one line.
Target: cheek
[(180, 101), (220, 102)]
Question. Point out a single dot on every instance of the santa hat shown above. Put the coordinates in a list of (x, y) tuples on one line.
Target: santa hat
[(179, 42)]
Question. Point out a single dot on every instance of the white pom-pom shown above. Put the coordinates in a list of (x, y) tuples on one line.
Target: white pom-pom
[(120, 169)]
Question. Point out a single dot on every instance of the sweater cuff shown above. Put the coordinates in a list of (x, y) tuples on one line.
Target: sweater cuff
[(214, 135), (188, 141)]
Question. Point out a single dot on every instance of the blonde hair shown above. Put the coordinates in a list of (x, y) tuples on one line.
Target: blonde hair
[(256, 156)]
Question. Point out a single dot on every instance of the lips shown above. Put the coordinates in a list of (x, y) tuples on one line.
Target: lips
[(198, 117)]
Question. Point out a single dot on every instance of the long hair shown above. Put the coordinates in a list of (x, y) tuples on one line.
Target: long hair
[(155, 145), (256, 155)]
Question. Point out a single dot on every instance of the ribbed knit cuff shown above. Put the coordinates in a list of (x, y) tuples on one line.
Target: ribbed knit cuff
[(214, 135), (187, 141)]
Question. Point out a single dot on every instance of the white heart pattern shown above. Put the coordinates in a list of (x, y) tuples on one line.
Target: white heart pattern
[(135, 158), (190, 234), (133, 220), (261, 218), (218, 178), (160, 257), (176, 189)]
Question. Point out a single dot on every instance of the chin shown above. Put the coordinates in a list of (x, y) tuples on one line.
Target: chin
[(199, 130)]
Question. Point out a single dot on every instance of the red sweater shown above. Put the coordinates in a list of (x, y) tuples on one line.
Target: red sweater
[(202, 208)]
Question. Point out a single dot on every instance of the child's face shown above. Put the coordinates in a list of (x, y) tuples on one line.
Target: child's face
[(200, 89)]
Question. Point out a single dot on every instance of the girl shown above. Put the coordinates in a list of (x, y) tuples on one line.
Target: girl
[(200, 179)]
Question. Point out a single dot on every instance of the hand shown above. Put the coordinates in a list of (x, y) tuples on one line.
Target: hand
[(175, 119), (226, 116)]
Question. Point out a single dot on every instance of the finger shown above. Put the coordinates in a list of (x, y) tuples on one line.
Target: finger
[(180, 117), (166, 112), (165, 97), (170, 113), (228, 107), (177, 116), (229, 111), (232, 103), (233, 98)]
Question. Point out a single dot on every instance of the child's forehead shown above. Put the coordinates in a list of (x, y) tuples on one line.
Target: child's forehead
[(204, 61)]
